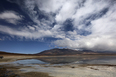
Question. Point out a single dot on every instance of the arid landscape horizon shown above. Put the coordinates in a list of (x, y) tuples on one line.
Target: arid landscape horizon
[(57, 38), (34, 65)]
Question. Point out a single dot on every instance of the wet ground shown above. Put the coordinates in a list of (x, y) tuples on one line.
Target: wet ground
[(102, 66)]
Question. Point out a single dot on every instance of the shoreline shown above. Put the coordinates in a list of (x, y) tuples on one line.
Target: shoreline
[(11, 58)]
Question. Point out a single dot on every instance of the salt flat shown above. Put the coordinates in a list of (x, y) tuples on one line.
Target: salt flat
[(61, 70)]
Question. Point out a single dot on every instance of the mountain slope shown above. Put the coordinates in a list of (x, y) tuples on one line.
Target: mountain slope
[(57, 51)]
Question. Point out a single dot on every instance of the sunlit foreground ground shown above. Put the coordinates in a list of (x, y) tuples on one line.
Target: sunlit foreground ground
[(42, 70)]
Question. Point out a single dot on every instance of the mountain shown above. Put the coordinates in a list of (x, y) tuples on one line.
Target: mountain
[(57, 52), (66, 52)]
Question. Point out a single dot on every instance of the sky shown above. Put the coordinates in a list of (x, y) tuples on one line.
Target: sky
[(31, 26)]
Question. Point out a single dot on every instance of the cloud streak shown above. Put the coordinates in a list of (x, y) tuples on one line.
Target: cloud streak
[(80, 24), (10, 17), (25, 32)]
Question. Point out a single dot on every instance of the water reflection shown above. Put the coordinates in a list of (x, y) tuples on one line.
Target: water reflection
[(71, 60), (65, 60), (80, 60), (29, 61)]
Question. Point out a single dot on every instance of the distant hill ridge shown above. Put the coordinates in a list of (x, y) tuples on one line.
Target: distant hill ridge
[(57, 51), (8, 53), (2, 52)]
